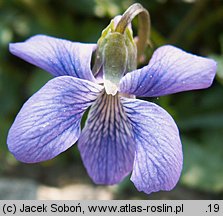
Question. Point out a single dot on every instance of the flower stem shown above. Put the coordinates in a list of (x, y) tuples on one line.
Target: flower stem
[(144, 25)]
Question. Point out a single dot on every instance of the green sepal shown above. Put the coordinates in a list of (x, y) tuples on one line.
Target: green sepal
[(116, 55)]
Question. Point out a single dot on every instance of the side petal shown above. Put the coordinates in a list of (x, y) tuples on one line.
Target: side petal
[(106, 143), (57, 56), (49, 122), (170, 70), (158, 159)]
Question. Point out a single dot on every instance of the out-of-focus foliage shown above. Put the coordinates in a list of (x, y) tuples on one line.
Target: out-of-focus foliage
[(219, 59), (196, 27)]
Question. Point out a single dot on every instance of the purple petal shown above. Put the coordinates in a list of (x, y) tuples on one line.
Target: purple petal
[(170, 70), (57, 56), (106, 143), (49, 122), (158, 159)]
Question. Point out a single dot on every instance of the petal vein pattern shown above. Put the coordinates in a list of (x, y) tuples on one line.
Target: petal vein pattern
[(158, 159), (170, 70), (106, 144), (58, 56), (49, 122)]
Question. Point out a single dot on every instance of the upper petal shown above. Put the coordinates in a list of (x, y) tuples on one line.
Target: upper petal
[(49, 122), (170, 70), (158, 157), (57, 56), (106, 143)]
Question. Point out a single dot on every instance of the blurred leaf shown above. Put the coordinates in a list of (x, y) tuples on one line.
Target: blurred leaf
[(111, 7), (202, 122), (5, 36), (38, 79), (6, 157), (199, 109), (203, 161), (219, 60), (9, 91), (4, 127), (84, 7)]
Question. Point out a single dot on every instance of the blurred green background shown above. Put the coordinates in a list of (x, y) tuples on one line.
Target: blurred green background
[(193, 25)]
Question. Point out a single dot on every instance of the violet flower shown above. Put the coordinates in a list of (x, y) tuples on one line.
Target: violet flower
[(122, 133)]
